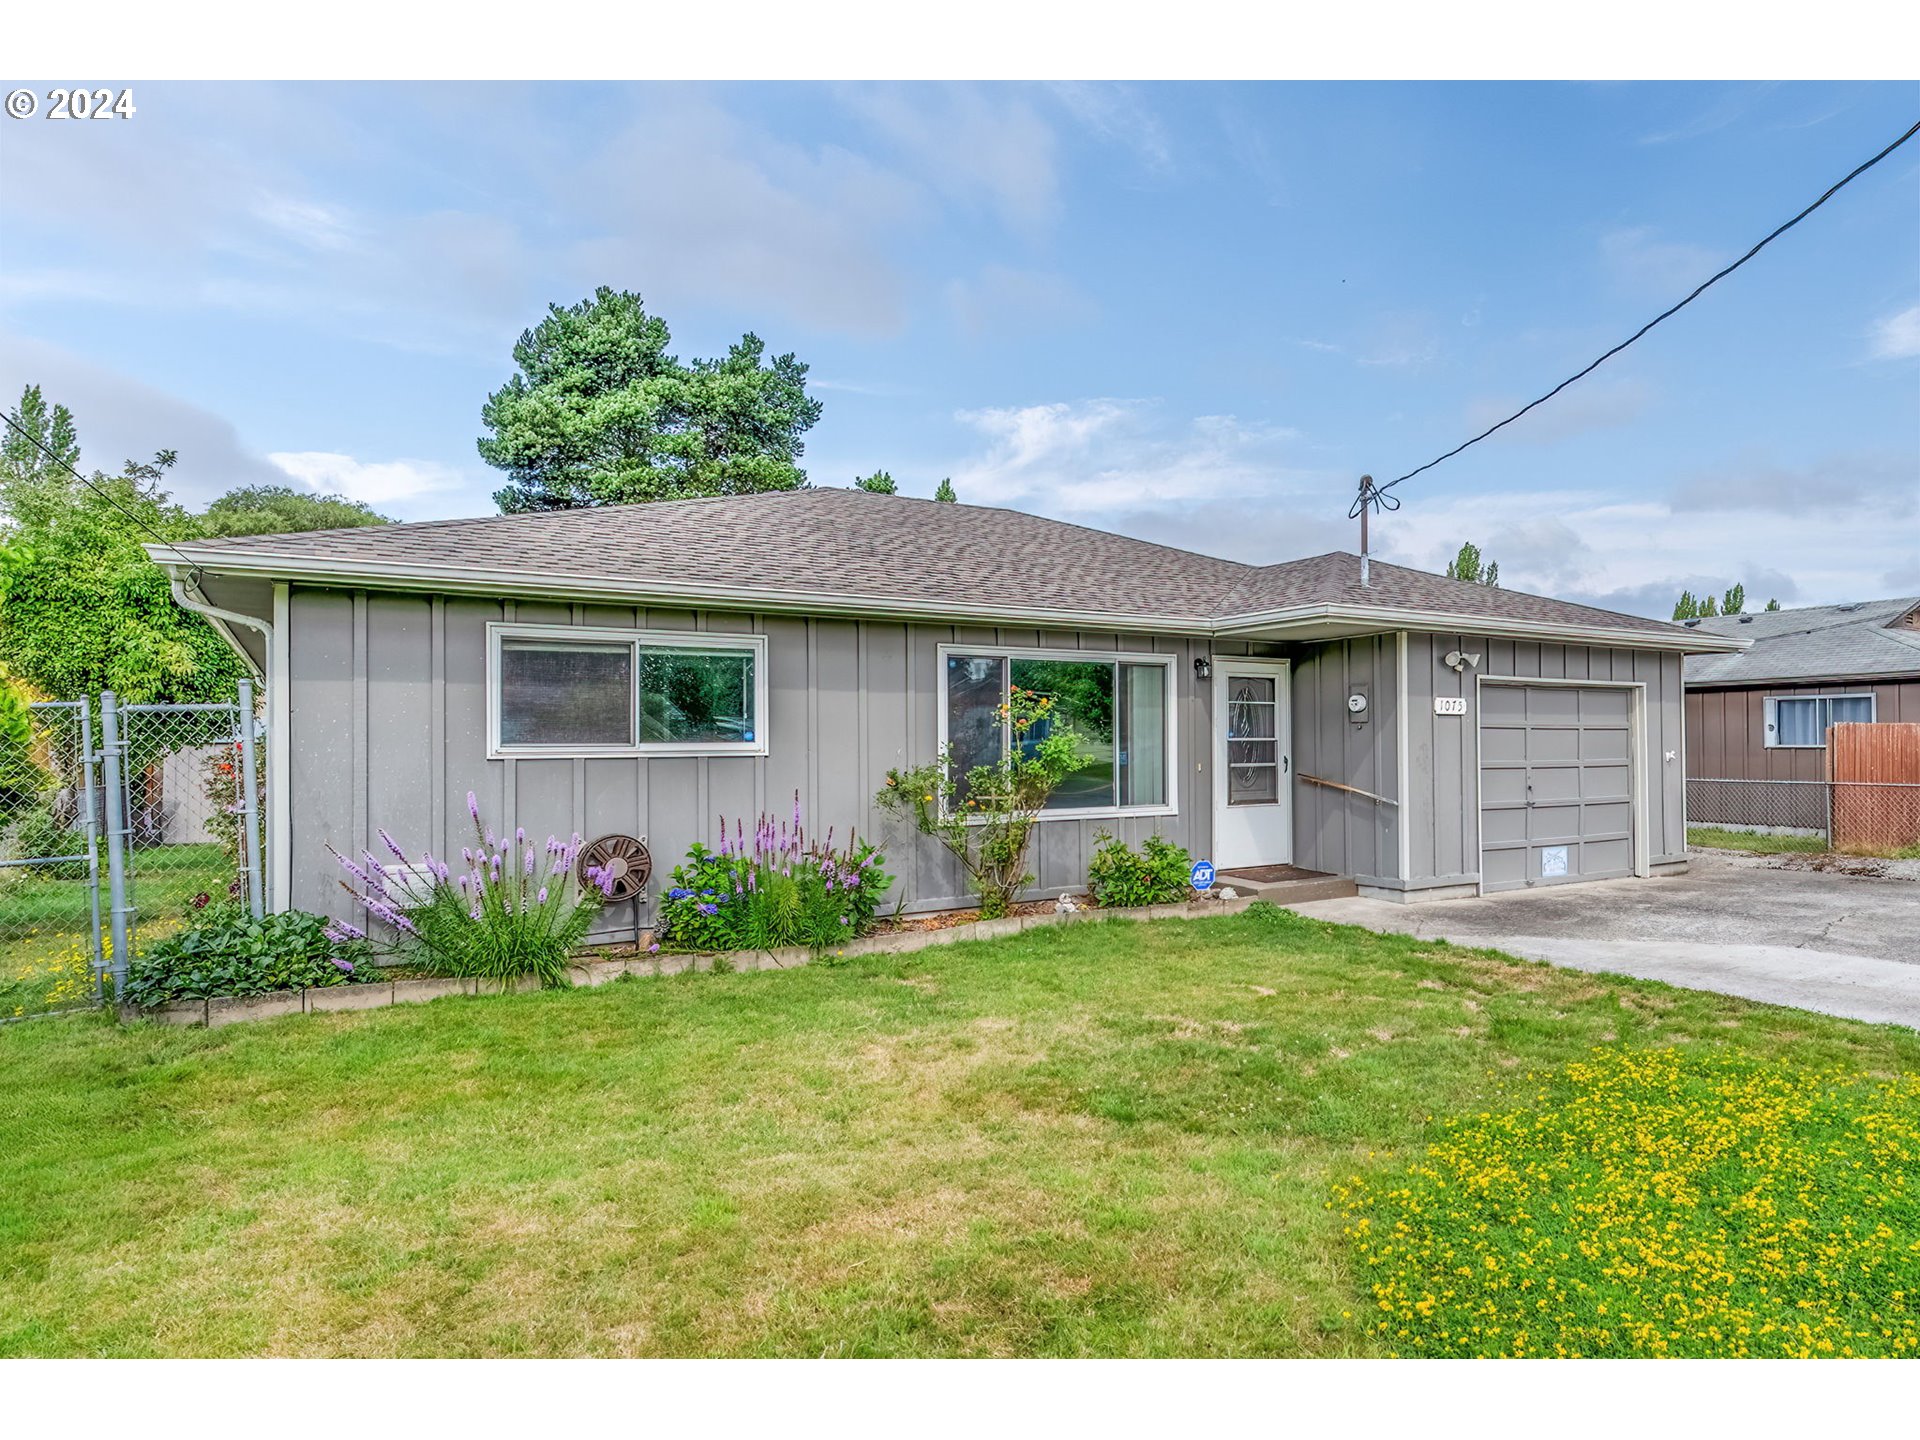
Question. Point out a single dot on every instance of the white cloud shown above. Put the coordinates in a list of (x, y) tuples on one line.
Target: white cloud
[(1101, 461), (1116, 114), (394, 487), (1898, 336), (1844, 484)]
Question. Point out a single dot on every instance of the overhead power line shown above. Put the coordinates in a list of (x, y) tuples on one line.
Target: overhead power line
[(38, 444), (1376, 495)]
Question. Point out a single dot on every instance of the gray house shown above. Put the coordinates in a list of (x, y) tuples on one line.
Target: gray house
[(643, 670)]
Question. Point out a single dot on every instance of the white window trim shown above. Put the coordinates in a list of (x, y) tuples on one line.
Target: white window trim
[(1770, 731), (709, 641), (1117, 657)]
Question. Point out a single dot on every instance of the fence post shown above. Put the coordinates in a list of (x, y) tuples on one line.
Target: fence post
[(113, 758), (250, 805), (90, 827)]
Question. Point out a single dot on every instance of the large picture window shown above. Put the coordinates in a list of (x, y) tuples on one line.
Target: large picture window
[(573, 690), (1119, 706), (1801, 722)]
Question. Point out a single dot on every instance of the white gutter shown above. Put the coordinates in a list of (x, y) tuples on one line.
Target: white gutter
[(223, 621), (466, 580)]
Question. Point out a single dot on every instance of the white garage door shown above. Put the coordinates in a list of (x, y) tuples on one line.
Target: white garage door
[(1556, 785)]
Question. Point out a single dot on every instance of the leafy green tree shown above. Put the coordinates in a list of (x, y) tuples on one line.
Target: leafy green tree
[(1695, 607), (82, 608), (21, 777), (878, 483), (1735, 600), (945, 492), (282, 510), (49, 444), (1773, 605), (598, 412), (1468, 565)]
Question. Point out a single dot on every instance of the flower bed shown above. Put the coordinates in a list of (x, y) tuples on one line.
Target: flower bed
[(648, 962)]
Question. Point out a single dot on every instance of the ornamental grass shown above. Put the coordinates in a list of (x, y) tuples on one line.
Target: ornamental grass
[(1657, 1203)]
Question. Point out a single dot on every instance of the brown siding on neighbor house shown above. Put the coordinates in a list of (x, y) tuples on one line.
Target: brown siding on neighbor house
[(1726, 729)]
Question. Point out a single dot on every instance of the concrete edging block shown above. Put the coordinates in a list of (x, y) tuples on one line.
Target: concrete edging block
[(414, 992), (349, 997), (229, 1009)]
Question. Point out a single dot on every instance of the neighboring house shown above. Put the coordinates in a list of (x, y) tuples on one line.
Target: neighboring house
[(645, 669), (1763, 714)]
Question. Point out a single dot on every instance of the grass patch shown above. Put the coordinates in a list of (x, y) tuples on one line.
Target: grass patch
[(1758, 842), (1109, 1139)]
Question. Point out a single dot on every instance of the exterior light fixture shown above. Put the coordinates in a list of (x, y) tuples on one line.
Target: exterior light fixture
[(1458, 660), (1202, 666)]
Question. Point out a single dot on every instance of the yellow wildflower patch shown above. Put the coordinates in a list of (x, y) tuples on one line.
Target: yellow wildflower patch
[(1656, 1203)]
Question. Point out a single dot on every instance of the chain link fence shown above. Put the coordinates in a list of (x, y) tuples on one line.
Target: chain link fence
[(119, 823), (1855, 817), (50, 947)]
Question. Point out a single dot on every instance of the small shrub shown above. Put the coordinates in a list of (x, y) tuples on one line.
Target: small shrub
[(225, 951), (42, 835), (773, 888), (1156, 874), (513, 910), (986, 818)]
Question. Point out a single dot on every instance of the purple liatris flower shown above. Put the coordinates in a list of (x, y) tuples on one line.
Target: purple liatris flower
[(345, 967), (341, 930), (489, 837), (520, 835), (462, 883), (474, 913), (543, 894), (529, 866), (466, 853), (393, 845), (473, 806), (403, 924), (654, 949)]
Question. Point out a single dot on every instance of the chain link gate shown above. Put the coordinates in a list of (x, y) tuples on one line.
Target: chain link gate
[(51, 954), (182, 786), (108, 846)]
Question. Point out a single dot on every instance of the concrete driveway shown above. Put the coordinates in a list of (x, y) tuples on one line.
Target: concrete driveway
[(1838, 936)]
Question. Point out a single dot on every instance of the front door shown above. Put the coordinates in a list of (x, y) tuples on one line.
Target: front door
[(1252, 764)]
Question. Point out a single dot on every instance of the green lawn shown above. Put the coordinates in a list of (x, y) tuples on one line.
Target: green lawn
[(1109, 1139)]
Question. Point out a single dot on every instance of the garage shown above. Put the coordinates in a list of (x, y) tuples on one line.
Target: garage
[(1556, 784)]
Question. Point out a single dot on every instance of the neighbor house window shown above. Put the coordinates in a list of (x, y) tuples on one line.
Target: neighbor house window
[(569, 689), (1800, 722), (1118, 706)]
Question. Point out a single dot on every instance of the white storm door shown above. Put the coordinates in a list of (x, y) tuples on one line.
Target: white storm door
[(1252, 763)]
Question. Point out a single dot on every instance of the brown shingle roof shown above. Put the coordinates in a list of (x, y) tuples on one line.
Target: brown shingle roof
[(849, 545)]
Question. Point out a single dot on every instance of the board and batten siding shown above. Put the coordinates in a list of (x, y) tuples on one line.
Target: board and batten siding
[(1726, 728), (1333, 830), (1443, 752), (388, 715)]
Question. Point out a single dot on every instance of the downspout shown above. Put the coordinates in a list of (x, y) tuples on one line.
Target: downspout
[(222, 620)]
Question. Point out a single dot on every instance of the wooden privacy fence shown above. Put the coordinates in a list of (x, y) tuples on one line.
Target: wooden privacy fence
[(1875, 773)]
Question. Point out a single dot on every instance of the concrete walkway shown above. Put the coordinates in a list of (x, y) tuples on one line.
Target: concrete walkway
[(1838, 943)]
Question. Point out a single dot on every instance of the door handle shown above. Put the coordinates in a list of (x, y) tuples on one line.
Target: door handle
[(1283, 764)]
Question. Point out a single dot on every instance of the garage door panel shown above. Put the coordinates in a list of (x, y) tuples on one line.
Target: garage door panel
[(1503, 746), (1505, 869), (1550, 786), (1502, 705), (1550, 705), (1612, 819), (1553, 747), (1601, 859), (1607, 744), (1505, 826), (1556, 785), (1606, 782), (1503, 787), (1554, 824)]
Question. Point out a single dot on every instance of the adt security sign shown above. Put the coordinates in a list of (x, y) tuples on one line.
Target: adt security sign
[(1203, 875)]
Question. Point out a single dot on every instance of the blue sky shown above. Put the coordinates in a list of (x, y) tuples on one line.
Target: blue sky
[(1193, 313)]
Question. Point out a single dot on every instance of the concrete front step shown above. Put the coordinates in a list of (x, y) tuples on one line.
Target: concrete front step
[(1291, 892)]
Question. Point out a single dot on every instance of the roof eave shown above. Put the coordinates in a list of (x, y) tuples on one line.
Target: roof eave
[(1276, 622), (467, 580)]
